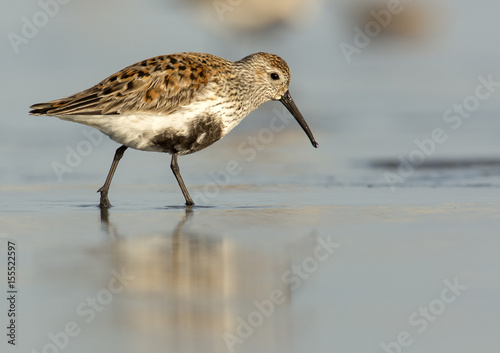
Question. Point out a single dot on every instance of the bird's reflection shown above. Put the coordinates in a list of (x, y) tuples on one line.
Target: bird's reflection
[(193, 289), (105, 225)]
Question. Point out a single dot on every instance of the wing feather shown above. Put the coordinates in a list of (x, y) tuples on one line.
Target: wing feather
[(157, 85)]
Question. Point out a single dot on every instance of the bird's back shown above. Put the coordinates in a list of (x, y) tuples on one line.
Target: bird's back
[(158, 85)]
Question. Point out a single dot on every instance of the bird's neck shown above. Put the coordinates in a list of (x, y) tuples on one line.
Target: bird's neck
[(240, 95)]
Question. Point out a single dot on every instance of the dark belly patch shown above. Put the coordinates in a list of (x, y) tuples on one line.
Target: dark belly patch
[(201, 133)]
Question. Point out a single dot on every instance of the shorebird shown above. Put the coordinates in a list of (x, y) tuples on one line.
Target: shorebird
[(177, 103)]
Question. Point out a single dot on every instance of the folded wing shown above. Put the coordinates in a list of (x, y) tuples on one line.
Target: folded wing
[(158, 85)]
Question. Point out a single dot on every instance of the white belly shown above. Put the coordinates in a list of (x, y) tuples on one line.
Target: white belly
[(135, 131), (139, 130)]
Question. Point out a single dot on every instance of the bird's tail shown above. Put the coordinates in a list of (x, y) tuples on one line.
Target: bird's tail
[(41, 108)]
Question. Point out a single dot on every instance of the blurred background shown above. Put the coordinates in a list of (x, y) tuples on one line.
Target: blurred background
[(374, 80), (370, 94)]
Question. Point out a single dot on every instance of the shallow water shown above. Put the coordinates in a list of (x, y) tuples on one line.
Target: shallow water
[(345, 259)]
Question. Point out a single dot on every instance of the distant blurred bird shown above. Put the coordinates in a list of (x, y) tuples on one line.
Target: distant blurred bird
[(406, 20), (178, 104), (254, 15)]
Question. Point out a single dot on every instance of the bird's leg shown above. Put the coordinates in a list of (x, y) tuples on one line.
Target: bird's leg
[(175, 169), (104, 189)]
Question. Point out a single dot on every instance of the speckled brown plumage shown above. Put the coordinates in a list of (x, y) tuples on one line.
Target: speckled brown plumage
[(157, 85)]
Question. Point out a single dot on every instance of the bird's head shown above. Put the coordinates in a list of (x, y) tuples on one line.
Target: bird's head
[(271, 80)]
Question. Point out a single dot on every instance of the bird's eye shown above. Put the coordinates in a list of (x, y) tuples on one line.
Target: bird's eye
[(275, 76)]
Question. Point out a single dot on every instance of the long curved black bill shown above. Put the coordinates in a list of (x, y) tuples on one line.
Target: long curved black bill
[(288, 102)]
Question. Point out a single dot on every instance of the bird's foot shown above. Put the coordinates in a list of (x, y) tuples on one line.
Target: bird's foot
[(104, 201)]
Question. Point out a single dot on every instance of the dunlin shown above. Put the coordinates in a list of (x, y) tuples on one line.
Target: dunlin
[(178, 104)]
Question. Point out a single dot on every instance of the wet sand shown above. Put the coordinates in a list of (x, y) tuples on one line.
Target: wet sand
[(274, 268)]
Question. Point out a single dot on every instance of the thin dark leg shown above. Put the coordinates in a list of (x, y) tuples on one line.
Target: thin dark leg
[(105, 188), (175, 169)]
